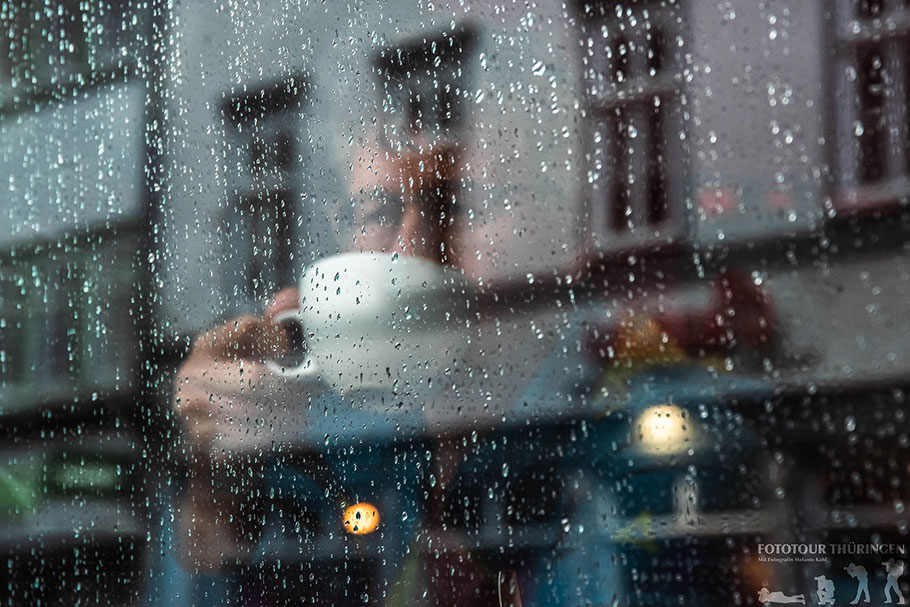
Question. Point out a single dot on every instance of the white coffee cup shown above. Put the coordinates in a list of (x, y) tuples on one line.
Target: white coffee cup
[(370, 320)]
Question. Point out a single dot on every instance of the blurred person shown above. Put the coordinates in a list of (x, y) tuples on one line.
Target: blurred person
[(403, 203)]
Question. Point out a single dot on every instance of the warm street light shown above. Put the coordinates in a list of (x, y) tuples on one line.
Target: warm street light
[(361, 518), (665, 430)]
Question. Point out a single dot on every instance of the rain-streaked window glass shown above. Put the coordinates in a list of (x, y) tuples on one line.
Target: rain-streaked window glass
[(596, 302)]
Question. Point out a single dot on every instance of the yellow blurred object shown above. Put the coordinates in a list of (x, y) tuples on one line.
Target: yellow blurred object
[(642, 340), (665, 429), (361, 518)]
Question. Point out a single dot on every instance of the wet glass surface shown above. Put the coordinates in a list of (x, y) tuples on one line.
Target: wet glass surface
[(454, 303)]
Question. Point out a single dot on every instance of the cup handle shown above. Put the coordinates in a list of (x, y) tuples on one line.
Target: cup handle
[(305, 371), (507, 589)]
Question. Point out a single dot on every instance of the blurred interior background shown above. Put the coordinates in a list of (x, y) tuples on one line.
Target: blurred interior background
[(688, 223)]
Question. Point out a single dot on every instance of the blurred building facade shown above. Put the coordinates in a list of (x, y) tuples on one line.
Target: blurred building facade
[(74, 123)]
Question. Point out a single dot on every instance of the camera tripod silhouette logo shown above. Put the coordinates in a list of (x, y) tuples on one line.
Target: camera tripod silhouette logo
[(859, 573), (894, 569), (825, 590)]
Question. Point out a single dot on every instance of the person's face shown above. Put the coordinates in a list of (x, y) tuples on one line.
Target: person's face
[(378, 216), (388, 209)]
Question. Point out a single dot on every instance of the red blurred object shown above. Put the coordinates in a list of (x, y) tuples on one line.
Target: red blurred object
[(741, 316)]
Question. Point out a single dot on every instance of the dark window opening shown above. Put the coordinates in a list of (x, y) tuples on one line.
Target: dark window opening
[(619, 205), (262, 141), (247, 108), (871, 128), (620, 55), (422, 83), (869, 9), (657, 161), (264, 229), (54, 47), (656, 51)]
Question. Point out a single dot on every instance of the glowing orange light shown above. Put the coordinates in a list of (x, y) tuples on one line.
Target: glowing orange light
[(361, 518)]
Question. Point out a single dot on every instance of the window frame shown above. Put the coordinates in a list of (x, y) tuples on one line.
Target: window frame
[(433, 64), (107, 52), (34, 294), (264, 114), (848, 35), (633, 97)]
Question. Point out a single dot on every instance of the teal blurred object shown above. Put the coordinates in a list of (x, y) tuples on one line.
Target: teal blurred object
[(20, 489)]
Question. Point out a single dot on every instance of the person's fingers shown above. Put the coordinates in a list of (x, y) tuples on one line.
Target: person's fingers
[(230, 340), (213, 371), (195, 402), (285, 299), (247, 337), (210, 399)]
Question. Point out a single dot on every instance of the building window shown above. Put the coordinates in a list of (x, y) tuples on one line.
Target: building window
[(423, 83), (56, 45), (57, 322), (631, 62), (67, 323), (263, 177), (261, 244), (423, 86), (870, 76), (47, 42), (12, 328)]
